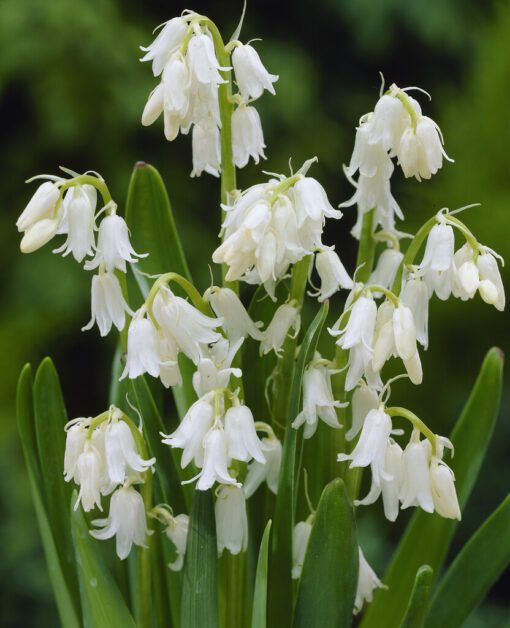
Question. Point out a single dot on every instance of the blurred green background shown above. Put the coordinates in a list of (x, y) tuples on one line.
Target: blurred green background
[(71, 93)]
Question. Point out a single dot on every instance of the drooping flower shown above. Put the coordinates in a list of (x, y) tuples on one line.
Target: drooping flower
[(113, 246), (364, 399), (88, 475), (251, 76), (169, 39), (41, 206), (367, 583), (242, 441), (126, 521), (107, 304), (247, 136), (285, 318), (142, 351), (236, 320), (214, 371), (386, 268), (300, 538), (231, 520), (79, 206), (177, 531), (416, 486), (206, 149), (123, 460), (269, 471), (416, 297), (332, 274), (215, 467)]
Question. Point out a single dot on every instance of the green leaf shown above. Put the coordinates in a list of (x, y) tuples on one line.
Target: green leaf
[(473, 572), (68, 608), (419, 600), (327, 588), (50, 420), (150, 219), (167, 474), (259, 611), (281, 566), (199, 601), (102, 602), (427, 537)]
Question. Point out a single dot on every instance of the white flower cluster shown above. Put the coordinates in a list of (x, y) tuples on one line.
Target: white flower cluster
[(102, 460), (396, 128), (185, 55), (273, 225), (61, 207), (415, 476)]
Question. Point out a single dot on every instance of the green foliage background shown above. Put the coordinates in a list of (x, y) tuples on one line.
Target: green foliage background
[(71, 93)]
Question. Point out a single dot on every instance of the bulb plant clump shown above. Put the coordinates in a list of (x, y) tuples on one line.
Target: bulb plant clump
[(278, 370)]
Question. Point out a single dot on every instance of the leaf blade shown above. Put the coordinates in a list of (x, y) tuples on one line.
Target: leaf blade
[(259, 611), (419, 599)]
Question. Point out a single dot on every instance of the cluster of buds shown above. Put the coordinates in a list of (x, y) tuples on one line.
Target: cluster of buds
[(104, 456), (67, 206), (396, 128), (273, 225), (188, 54)]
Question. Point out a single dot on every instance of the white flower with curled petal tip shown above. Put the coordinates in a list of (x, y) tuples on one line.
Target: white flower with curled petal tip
[(168, 40), (142, 348), (88, 475), (201, 58), (41, 206), (188, 328), (390, 119), (367, 583), (332, 274), (442, 486), (247, 136), (251, 76), (415, 296), (361, 324), (177, 532), (113, 246), (285, 318), (318, 400), (491, 286), (416, 486), (364, 399), (236, 320), (439, 249), (300, 538), (126, 521), (215, 371), (123, 460), (242, 441), (311, 201), (369, 157), (79, 206), (269, 471), (107, 303), (190, 434), (206, 149), (386, 268), (215, 467), (76, 437), (231, 520), (371, 446), (420, 151)]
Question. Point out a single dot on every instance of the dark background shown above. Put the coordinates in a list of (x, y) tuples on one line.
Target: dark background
[(72, 92)]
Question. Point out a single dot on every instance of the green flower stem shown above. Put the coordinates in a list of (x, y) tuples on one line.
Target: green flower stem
[(366, 249), (88, 179), (412, 252), (288, 359), (416, 422), (187, 286)]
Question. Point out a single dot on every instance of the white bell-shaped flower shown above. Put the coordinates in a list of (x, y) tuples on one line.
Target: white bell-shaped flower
[(360, 327), (231, 520), (169, 39), (76, 437), (242, 441), (332, 274), (176, 85), (247, 136), (126, 521), (177, 532), (107, 304), (364, 399), (386, 268), (41, 206), (142, 349), (79, 208), (442, 485), (39, 234), (190, 330), (371, 446), (190, 434), (122, 457), (367, 583), (369, 156), (284, 320), (415, 296), (215, 467), (318, 400), (269, 471), (236, 320), (311, 201), (300, 538), (390, 119), (202, 60), (113, 246), (416, 485), (215, 371), (420, 152), (251, 76), (154, 106), (491, 286), (88, 475), (169, 372), (206, 148), (439, 249)]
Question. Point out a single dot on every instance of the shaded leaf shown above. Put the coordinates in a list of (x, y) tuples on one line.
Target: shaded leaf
[(419, 600), (259, 611)]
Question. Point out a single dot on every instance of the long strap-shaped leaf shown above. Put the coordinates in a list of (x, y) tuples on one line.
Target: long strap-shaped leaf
[(419, 600), (327, 588), (281, 560), (259, 612), (67, 600), (427, 537), (102, 602), (199, 601), (474, 570)]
